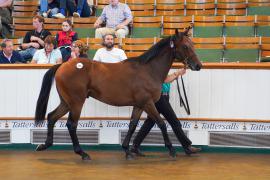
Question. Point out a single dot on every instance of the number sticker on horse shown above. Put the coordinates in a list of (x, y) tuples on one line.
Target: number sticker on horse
[(79, 65)]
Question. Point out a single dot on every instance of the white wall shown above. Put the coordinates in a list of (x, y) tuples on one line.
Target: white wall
[(212, 93)]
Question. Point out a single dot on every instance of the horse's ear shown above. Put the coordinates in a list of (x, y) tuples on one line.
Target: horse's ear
[(176, 32), (187, 30)]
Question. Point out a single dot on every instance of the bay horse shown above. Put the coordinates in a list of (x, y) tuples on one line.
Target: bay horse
[(133, 82)]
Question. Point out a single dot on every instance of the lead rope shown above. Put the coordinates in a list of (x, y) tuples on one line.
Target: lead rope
[(182, 102)]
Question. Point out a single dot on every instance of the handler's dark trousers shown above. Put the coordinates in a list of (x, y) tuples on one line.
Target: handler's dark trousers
[(164, 107)]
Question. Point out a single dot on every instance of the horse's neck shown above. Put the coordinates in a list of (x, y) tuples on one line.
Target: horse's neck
[(161, 64)]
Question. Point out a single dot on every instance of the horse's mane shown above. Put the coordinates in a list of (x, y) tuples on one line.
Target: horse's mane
[(152, 52)]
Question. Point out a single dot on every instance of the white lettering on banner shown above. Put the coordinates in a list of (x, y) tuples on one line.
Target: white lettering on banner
[(220, 126), (86, 124), (112, 124), (17, 124), (27, 125)]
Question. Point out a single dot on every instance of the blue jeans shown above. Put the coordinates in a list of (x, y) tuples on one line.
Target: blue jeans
[(82, 7), (66, 52), (44, 8), (28, 53)]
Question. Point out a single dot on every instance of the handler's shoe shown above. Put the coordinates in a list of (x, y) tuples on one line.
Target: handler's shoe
[(191, 150)]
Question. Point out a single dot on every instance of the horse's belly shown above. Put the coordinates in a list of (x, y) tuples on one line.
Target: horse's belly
[(115, 100)]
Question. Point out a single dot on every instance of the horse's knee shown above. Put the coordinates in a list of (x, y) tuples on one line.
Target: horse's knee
[(50, 123), (133, 123), (69, 125)]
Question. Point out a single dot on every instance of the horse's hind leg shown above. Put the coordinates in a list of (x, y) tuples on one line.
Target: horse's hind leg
[(136, 114), (72, 124), (53, 116), (151, 110)]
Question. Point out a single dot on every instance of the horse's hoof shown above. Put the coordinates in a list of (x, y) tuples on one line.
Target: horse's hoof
[(41, 147), (172, 152), (86, 157), (137, 152), (129, 156)]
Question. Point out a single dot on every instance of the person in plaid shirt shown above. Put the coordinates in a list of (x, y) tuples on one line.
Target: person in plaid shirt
[(117, 16)]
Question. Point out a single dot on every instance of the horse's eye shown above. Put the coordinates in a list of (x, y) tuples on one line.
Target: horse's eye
[(185, 47)]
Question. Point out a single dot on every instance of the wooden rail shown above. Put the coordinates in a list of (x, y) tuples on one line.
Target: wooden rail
[(230, 65)]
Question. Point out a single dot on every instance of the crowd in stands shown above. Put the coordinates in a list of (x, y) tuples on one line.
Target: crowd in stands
[(39, 46), (5, 18), (114, 20), (57, 8)]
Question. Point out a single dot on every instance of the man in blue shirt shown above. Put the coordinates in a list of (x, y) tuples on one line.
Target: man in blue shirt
[(8, 55)]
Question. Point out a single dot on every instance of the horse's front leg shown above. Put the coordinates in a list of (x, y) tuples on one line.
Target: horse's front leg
[(135, 116), (151, 110)]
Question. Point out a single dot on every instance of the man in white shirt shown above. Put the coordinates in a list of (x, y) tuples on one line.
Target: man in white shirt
[(49, 54), (109, 53)]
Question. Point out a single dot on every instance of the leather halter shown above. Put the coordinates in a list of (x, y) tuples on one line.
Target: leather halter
[(183, 102)]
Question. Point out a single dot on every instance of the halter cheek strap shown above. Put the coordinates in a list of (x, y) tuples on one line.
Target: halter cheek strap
[(172, 46)]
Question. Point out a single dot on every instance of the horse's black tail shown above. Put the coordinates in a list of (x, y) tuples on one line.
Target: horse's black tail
[(44, 94)]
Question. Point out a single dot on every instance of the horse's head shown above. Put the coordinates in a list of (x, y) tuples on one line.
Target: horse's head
[(184, 50)]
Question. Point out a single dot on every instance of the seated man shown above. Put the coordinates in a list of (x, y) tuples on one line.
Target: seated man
[(5, 18), (34, 39), (117, 17), (8, 55), (109, 53), (77, 8), (49, 55), (48, 8)]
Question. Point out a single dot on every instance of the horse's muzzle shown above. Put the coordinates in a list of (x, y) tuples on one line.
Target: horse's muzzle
[(195, 66), (198, 67)]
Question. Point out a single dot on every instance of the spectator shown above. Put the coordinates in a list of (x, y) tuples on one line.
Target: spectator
[(49, 55), (78, 8), (78, 50), (8, 55), (117, 17), (49, 8), (6, 19), (109, 53), (34, 39), (65, 38)]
